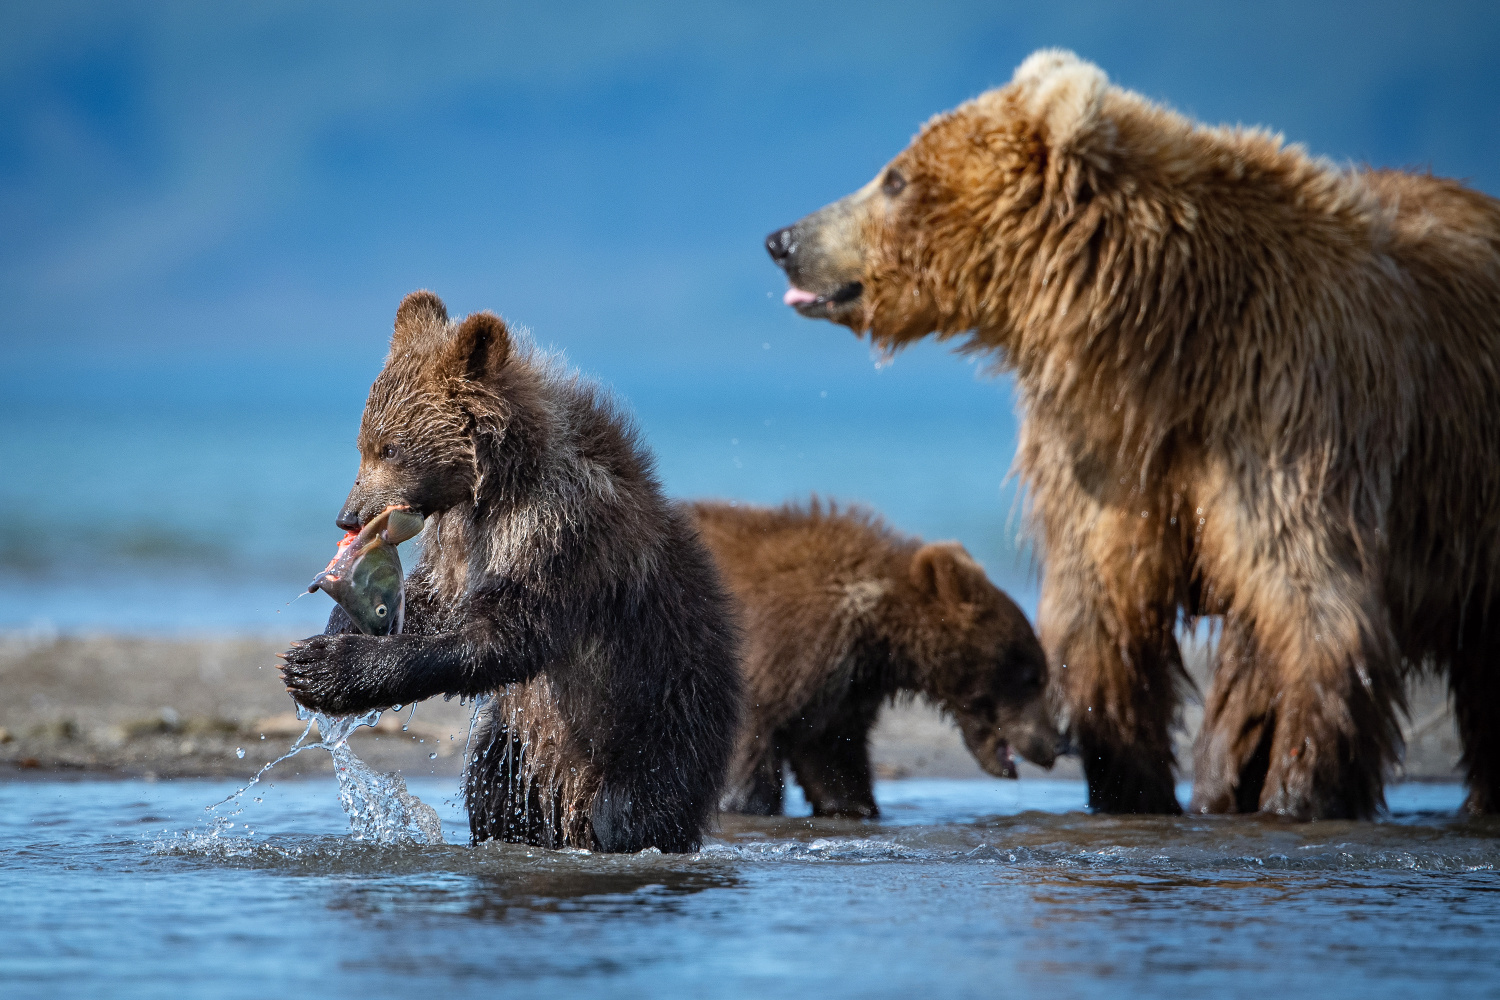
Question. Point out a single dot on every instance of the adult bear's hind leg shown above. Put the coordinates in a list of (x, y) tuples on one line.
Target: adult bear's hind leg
[(1339, 692), (1232, 753)]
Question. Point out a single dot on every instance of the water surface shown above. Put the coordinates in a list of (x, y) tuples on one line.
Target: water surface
[(965, 888)]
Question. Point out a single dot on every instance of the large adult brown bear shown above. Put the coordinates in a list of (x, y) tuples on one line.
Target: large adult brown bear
[(556, 578), (1256, 385)]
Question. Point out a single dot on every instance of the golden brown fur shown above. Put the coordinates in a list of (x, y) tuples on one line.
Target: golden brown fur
[(840, 614), (1256, 385)]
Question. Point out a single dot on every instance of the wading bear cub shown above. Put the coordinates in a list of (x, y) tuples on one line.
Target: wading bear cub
[(840, 614), (552, 563), (1256, 385)]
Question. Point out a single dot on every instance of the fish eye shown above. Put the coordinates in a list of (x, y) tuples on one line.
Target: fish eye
[(389, 452), (893, 184), (380, 611)]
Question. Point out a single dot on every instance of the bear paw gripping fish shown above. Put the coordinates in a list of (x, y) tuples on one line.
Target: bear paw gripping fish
[(365, 576)]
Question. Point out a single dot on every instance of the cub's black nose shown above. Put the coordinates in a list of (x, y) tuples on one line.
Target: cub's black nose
[(779, 244), (349, 520)]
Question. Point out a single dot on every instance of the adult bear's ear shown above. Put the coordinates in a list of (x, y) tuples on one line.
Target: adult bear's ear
[(478, 349), (946, 572), (419, 316), (1064, 96)]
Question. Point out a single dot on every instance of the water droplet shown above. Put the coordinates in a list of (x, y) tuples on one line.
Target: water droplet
[(432, 756), (259, 799), (239, 752)]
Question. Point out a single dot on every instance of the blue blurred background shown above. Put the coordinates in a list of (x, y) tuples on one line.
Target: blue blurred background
[(209, 213)]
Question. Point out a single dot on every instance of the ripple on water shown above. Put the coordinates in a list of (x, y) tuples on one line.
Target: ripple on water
[(963, 884)]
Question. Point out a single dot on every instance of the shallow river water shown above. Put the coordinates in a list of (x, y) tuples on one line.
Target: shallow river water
[(965, 888)]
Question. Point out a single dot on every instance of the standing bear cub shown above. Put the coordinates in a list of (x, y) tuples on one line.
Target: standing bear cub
[(1256, 385), (840, 614), (553, 568)]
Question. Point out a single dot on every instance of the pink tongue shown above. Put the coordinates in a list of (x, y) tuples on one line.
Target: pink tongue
[(795, 296)]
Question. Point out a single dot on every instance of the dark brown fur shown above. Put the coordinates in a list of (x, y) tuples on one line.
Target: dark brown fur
[(840, 614), (1257, 385), (555, 580)]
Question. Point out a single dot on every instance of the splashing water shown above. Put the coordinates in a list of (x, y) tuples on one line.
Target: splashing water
[(379, 807)]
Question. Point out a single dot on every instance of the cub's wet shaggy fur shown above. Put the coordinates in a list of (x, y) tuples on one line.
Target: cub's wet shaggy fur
[(555, 578), (840, 614), (1257, 385)]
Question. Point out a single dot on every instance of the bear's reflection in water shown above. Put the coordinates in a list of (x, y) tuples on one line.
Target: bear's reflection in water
[(509, 888)]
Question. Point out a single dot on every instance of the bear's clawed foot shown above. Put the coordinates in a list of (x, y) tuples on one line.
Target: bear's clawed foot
[(319, 673)]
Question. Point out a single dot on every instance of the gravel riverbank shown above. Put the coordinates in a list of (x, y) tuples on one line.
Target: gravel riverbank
[(160, 707)]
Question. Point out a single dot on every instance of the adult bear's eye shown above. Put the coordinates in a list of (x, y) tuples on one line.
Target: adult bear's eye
[(389, 452), (893, 184)]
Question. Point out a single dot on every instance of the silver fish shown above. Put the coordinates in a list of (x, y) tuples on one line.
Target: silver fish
[(365, 575)]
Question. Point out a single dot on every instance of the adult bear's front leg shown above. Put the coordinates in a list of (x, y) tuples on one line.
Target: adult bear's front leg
[(1110, 641)]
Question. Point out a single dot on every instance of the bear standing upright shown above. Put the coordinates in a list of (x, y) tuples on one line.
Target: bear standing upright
[(841, 614), (552, 565), (1256, 385)]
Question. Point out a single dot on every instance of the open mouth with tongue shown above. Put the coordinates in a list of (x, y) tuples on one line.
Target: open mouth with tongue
[(813, 304)]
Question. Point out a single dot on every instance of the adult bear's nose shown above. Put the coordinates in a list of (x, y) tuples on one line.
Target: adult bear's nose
[(780, 245)]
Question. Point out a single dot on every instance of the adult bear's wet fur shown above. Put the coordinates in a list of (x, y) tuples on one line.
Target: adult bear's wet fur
[(1256, 385), (551, 563)]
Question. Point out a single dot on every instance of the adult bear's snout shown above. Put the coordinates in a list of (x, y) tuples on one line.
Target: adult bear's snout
[(780, 245)]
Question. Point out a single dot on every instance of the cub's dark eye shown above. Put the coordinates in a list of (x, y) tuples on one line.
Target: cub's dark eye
[(893, 184), (389, 452)]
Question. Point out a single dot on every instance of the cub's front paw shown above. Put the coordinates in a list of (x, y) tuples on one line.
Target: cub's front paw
[(323, 673)]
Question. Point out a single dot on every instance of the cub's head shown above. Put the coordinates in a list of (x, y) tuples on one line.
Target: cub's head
[(445, 388), (978, 657), (938, 239)]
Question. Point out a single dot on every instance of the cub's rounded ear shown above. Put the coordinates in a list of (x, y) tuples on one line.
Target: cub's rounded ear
[(420, 314), (1064, 95), (945, 571), (480, 347)]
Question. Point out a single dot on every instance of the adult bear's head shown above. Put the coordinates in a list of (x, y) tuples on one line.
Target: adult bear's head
[(439, 413), (942, 239)]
